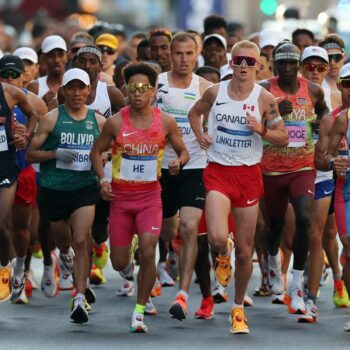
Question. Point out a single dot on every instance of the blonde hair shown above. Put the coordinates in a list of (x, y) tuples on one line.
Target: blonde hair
[(245, 44)]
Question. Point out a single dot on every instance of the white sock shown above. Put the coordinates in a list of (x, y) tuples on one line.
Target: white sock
[(234, 305), (296, 280), (18, 270), (161, 266), (80, 296), (183, 293), (275, 260)]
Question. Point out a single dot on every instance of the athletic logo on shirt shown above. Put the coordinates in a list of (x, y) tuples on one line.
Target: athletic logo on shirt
[(220, 103), (189, 96), (89, 125), (125, 134), (301, 101), (248, 108)]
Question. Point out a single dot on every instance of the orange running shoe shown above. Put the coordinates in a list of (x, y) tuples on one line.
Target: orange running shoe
[(239, 324), (223, 268), (206, 310), (179, 308), (5, 279), (157, 289)]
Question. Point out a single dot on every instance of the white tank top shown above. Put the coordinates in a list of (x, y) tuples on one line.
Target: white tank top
[(234, 144), (102, 103), (177, 102), (43, 87), (324, 175)]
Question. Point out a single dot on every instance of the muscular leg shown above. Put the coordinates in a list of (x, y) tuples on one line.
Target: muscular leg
[(189, 220)]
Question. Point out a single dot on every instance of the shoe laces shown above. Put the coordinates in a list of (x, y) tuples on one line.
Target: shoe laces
[(222, 262), (338, 285)]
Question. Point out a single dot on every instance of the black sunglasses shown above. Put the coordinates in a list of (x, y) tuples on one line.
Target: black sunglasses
[(336, 57), (5, 74), (107, 49)]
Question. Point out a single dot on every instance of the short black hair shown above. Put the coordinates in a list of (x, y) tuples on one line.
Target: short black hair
[(143, 43), (233, 27), (140, 68), (263, 53), (301, 31), (207, 70), (214, 22)]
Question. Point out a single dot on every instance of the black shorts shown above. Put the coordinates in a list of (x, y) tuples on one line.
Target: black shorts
[(101, 212), (56, 205), (331, 206), (183, 190), (9, 176)]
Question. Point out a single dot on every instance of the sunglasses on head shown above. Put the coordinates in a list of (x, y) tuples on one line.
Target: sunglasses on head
[(345, 83), (140, 87), (311, 67), (107, 49), (10, 73), (336, 57), (161, 31), (243, 61)]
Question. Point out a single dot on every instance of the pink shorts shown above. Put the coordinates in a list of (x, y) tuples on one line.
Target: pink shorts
[(134, 212)]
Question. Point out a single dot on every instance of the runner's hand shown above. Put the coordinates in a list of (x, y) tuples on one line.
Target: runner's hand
[(20, 142), (66, 155), (174, 166), (340, 166), (253, 124), (285, 107), (205, 141), (106, 191)]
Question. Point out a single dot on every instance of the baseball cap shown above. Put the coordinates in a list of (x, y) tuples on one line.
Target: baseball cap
[(75, 74), (269, 37), (11, 62), (26, 53), (343, 73), (314, 51), (108, 40), (218, 37), (53, 42), (225, 71)]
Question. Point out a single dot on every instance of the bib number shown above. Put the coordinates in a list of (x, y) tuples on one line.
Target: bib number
[(3, 139), (296, 133), (138, 168), (80, 163)]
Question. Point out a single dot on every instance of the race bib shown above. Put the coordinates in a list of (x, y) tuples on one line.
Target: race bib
[(3, 139), (296, 133), (228, 141), (183, 125), (80, 163), (138, 168)]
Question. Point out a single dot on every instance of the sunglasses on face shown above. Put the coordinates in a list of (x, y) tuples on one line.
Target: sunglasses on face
[(107, 49), (336, 57), (140, 87), (243, 61), (345, 83), (311, 67), (10, 73)]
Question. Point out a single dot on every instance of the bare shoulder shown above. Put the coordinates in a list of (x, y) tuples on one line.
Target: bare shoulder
[(266, 97), (33, 86), (265, 84), (107, 78), (203, 85), (315, 89)]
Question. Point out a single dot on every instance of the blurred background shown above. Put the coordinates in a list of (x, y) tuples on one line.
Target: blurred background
[(24, 22)]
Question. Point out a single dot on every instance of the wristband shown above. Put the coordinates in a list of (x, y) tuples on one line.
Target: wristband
[(102, 180)]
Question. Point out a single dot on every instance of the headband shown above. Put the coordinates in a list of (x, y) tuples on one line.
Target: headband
[(90, 49)]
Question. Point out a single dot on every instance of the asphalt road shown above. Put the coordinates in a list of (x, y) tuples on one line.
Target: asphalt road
[(44, 323)]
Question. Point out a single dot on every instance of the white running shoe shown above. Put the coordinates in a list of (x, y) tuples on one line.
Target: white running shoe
[(66, 278), (164, 278), (127, 273), (79, 313), (248, 301), (137, 324), (297, 304), (275, 280), (127, 290), (347, 326), (50, 279), (326, 275), (173, 265), (311, 315), (219, 293), (150, 309), (66, 261), (18, 291)]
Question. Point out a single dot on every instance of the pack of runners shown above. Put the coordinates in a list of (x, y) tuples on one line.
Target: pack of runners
[(210, 147)]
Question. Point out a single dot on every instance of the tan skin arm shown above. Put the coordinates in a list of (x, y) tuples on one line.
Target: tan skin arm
[(33, 87), (116, 98), (317, 96), (202, 107), (321, 146), (276, 134), (46, 125), (38, 104), (173, 135)]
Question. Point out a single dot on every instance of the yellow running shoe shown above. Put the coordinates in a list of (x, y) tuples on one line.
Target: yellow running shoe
[(96, 276), (239, 324), (100, 255), (340, 295), (223, 268), (5, 278)]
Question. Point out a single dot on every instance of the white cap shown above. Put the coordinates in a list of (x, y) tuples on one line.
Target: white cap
[(53, 42), (26, 53), (314, 51), (217, 36), (75, 74), (345, 71), (269, 37), (225, 71)]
